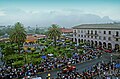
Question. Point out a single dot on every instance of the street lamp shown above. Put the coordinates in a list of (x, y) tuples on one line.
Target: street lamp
[(111, 58), (110, 65)]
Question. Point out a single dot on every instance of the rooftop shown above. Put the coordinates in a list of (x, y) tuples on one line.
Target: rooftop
[(66, 30), (98, 26), (34, 38)]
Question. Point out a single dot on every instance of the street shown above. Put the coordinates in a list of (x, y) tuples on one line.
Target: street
[(80, 67)]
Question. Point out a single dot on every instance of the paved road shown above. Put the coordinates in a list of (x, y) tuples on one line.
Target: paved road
[(80, 67)]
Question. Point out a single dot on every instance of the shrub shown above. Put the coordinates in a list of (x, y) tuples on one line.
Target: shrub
[(69, 55), (18, 63), (81, 51), (74, 43), (42, 41), (67, 41), (20, 58), (36, 60)]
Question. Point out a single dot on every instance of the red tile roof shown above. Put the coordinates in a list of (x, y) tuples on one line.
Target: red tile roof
[(66, 30), (34, 38), (31, 39)]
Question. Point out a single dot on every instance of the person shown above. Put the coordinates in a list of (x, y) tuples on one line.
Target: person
[(48, 77)]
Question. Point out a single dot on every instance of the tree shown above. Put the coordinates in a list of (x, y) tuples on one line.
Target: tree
[(8, 49), (18, 35), (8, 28), (54, 32), (37, 30), (2, 32)]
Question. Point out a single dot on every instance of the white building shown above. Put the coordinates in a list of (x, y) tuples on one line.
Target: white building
[(102, 35)]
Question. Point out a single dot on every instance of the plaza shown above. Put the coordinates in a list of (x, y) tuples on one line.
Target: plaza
[(60, 39)]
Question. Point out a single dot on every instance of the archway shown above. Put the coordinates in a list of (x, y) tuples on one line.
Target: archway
[(109, 46), (92, 43), (75, 39), (82, 40), (85, 41), (88, 42), (79, 40), (96, 43), (100, 44), (117, 47), (72, 39), (104, 45)]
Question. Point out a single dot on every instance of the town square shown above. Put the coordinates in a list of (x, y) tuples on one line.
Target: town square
[(59, 39)]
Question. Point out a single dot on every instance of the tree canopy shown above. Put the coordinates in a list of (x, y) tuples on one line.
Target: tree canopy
[(18, 34), (54, 32)]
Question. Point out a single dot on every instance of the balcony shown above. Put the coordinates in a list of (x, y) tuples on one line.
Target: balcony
[(91, 34), (116, 36)]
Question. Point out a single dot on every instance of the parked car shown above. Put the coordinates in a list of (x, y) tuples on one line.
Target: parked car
[(68, 68)]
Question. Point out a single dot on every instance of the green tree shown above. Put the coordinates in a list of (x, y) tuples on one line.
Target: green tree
[(54, 32), (2, 32), (8, 49), (37, 30), (7, 29), (18, 35)]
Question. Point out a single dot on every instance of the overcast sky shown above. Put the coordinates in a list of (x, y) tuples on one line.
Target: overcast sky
[(66, 13)]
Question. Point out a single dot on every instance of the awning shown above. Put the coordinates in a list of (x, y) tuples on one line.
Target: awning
[(117, 65), (44, 57)]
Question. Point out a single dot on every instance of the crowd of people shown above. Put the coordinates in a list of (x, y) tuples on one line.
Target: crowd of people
[(101, 69), (8, 72)]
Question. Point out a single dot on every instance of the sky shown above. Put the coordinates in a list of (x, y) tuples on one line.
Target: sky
[(66, 13)]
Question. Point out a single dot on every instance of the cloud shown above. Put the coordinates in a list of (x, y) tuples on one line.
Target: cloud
[(13, 11), (2, 13), (64, 17)]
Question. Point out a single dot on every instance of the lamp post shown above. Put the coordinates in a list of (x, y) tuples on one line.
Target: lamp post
[(111, 58), (110, 66)]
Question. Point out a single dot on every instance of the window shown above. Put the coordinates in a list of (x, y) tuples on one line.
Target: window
[(109, 32), (81, 31), (74, 31), (88, 31), (91, 36), (78, 31), (95, 37), (104, 38), (100, 37), (84, 30), (109, 38), (88, 36), (99, 31), (84, 35), (81, 35), (91, 32), (117, 33), (104, 32), (95, 32), (116, 39), (75, 34)]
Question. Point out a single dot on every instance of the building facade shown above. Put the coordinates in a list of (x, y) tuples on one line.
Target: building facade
[(98, 35)]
